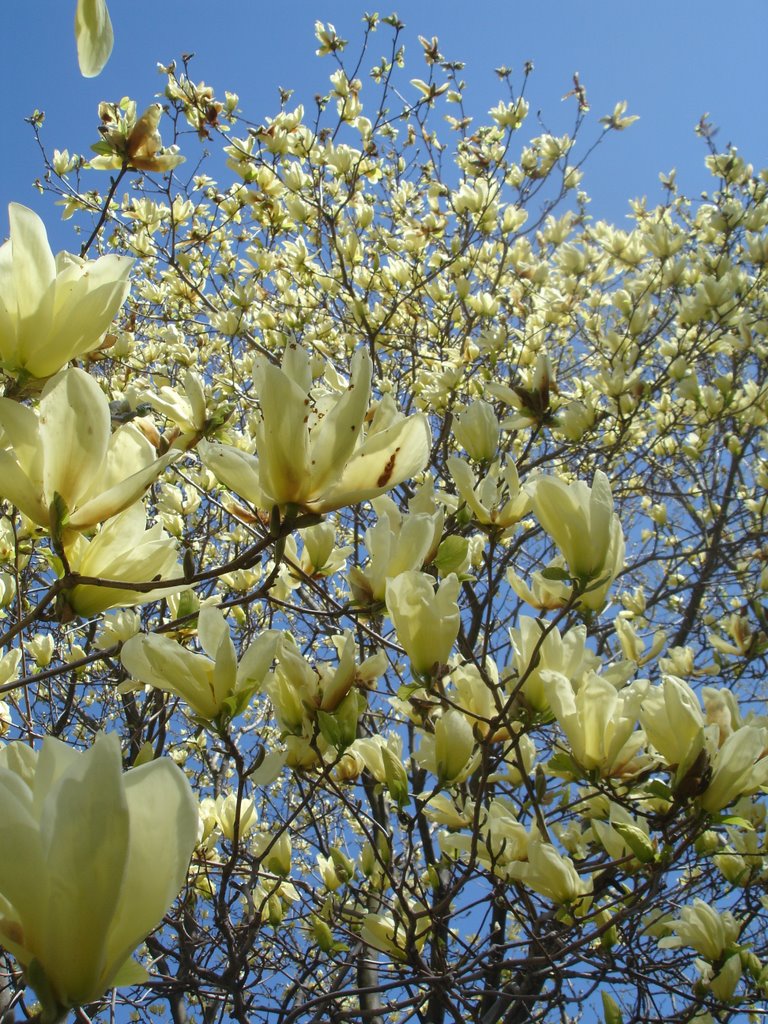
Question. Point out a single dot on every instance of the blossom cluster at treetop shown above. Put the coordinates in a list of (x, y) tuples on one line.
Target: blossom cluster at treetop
[(383, 567)]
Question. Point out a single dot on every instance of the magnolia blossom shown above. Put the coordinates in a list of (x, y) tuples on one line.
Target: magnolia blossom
[(739, 767), (538, 646), (396, 543), (427, 623), (598, 720), (63, 467), (128, 141), (704, 929), (393, 934), (93, 35), (548, 872), (582, 523), (311, 451), (477, 430), (124, 550), (673, 720), (448, 752), (497, 499), (209, 684), (305, 697), (90, 861), (53, 308), (188, 411)]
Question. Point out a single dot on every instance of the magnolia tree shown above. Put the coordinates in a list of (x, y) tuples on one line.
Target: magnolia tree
[(383, 569)]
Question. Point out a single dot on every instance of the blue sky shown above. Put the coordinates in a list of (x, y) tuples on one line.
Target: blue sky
[(671, 61)]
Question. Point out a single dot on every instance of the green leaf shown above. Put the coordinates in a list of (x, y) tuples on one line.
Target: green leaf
[(734, 819), (639, 843), (611, 1012), (451, 554), (659, 789), (564, 763), (329, 728), (556, 574)]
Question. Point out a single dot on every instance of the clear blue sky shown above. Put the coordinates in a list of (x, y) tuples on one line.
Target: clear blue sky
[(671, 61)]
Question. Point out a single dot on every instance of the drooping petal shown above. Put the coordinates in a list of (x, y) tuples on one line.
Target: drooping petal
[(16, 487), (237, 470), (93, 35), (119, 497)]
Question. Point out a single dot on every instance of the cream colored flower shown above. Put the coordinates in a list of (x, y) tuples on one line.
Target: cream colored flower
[(90, 860), (582, 523), (427, 623), (128, 141), (538, 646), (63, 467), (448, 753), (124, 550), (53, 308), (739, 767), (704, 929), (548, 872), (673, 720), (209, 683), (396, 543), (497, 499), (311, 451), (477, 430), (598, 721)]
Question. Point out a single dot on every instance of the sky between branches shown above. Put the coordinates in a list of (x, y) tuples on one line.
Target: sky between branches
[(671, 62)]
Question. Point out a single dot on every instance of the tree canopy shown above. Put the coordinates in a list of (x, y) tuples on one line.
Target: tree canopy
[(419, 518)]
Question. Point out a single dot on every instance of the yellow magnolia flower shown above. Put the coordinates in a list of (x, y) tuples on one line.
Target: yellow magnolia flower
[(128, 141), (90, 861), (448, 753), (477, 430), (53, 308), (497, 499), (124, 550), (704, 929), (93, 35), (210, 682), (311, 450), (548, 872), (537, 646), (426, 623), (673, 720), (582, 523), (598, 721), (63, 467), (398, 542), (739, 767)]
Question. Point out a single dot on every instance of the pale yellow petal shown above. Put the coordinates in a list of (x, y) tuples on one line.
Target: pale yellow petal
[(93, 35)]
